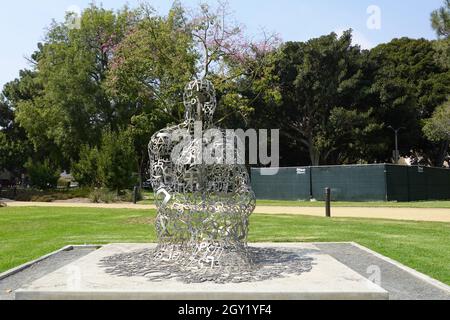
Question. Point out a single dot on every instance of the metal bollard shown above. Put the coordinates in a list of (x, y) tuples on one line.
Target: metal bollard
[(328, 202), (135, 194)]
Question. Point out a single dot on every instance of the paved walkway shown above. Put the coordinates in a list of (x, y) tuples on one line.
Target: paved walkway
[(401, 282), (412, 214), (81, 205)]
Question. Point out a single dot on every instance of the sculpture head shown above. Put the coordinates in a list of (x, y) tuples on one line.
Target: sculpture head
[(200, 101)]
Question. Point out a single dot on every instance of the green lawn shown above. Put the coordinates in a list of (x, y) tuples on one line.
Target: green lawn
[(418, 204), (149, 199), (27, 233)]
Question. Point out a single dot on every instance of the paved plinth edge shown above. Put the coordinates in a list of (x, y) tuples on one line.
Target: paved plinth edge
[(402, 282), (84, 279)]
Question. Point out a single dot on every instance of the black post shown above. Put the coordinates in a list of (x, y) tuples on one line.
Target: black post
[(135, 195), (328, 202)]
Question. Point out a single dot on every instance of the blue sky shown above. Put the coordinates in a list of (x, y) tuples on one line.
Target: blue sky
[(23, 22)]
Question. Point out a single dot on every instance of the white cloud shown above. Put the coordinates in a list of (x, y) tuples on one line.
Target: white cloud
[(359, 38)]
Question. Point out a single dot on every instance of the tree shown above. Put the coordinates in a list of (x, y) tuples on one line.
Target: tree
[(6, 115), (43, 175), (440, 20), (150, 69), (15, 148), (313, 79), (13, 154), (437, 128), (72, 65), (116, 161), (408, 84), (229, 59), (141, 128), (152, 64), (85, 171), (217, 37), (354, 133)]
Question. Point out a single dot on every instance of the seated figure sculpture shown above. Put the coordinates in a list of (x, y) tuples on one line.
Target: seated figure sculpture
[(203, 206), (204, 201)]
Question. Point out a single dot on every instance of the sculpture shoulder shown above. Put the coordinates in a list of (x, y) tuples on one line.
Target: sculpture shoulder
[(164, 137)]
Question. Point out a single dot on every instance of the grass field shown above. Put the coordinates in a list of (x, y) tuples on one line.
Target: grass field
[(418, 204), (28, 233)]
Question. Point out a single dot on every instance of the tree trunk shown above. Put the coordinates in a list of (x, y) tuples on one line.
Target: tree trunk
[(443, 152), (314, 154), (140, 164)]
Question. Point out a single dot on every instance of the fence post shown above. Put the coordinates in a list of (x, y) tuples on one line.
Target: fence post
[(328, 202), (135, 194)]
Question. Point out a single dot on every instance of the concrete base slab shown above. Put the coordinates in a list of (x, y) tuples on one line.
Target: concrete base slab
[(84, 279)]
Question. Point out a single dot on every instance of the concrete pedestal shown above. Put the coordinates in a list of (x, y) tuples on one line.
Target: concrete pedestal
[(85, 279)]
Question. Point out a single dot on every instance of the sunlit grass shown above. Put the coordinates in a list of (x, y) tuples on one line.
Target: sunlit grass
[(28, 233)]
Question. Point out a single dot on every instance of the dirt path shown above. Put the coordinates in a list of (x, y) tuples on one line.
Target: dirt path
[(414, 214), (419, 214), (81, 205)]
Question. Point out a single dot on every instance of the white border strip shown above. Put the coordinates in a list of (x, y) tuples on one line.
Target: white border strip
[(411, 271), (27, 265)]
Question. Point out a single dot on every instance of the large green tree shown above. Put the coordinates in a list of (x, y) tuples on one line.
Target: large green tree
[(15, 148), (408, 84), (153, 63), (150, 69), (71, 65), (314, 84)]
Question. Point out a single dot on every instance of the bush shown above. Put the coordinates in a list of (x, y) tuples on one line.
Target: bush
[(34, 195), (116, 161), (103, 196), (85, 171), (42, 175), (127, 196)]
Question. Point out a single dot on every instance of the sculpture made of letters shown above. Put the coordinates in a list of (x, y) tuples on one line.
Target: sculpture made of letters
[(204, 202), (202, 191)]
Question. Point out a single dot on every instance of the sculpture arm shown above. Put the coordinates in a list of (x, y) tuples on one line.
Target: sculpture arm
[(163, 171)]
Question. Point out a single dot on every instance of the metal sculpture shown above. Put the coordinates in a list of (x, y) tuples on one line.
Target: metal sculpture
[(203, 206), (204, 203)]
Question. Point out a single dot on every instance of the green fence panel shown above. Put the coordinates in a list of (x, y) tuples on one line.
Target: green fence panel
[(384, 182), (350, 183), (396, 183), (282, 183), (438, 183), (417, 183)]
